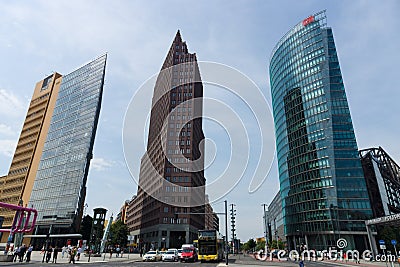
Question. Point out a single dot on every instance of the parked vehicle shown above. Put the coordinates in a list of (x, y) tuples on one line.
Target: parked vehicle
[(170, 255), (152, 256), (189, 254), (180, 253)]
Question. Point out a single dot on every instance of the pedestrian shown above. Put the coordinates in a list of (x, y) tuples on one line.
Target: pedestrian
[(111, 252), (55, 254), (356, 259), (118, 249), (28, 253), (48, 253), (72, 255), (16, 254), (22, 253), (301, 263), (63, 250), (80, 251), (122, 252)]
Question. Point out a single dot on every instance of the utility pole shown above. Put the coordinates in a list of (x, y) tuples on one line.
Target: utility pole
[(226, 231), (233, 226), (265, 227)]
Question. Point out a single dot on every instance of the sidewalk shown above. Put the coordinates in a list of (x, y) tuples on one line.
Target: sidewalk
[(249, 260), (37, 257)]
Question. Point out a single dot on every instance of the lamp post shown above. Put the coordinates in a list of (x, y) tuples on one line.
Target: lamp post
[(266, 227), (233, 227), (226, 231)]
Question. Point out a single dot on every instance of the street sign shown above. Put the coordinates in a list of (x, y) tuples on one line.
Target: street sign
[(383, 246), (394, 242), (381, 242)]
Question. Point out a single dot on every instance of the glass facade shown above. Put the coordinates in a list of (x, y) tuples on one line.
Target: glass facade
[(60, 186), (323, 190)]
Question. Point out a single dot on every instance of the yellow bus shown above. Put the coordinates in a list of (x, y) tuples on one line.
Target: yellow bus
[(211, 246)]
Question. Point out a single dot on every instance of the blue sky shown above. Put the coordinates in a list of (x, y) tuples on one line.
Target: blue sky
[(40, 37)]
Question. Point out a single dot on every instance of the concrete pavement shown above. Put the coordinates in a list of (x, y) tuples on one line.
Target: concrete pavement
[(37, 257), (250, 261)]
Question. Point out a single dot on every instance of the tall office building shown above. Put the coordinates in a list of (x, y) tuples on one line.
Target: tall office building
[(323, 190), (16, 187), (171, 179), (50, 166), (59, 189)]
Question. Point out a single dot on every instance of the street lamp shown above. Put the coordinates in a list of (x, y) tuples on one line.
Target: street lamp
[(265, 227), (233, 227)]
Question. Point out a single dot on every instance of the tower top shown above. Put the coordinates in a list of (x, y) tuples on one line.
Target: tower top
[(178, 37)]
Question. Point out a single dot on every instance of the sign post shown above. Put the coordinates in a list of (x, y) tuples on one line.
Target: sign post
[(394, 243)]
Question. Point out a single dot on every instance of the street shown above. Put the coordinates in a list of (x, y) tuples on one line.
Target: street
[(134, 260)]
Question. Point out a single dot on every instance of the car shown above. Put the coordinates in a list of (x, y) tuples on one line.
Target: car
[(152, 255), (189, 254), (170, 255), (173, 249)]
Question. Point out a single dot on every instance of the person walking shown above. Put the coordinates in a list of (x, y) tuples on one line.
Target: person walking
[(29, 253), (111, 251), (16, 254), (55, 254), (48, 253), (72, 255), (80, 251), (22, 253), (118, 249), (63, 250)]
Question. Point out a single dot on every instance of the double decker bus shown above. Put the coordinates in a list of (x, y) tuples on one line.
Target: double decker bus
[(211, 245)]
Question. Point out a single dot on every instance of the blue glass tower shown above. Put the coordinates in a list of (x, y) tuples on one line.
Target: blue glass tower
[(59, 189), (323, 190)]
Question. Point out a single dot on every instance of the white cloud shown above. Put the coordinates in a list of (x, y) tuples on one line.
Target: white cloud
[(6, 130), (100, 164), (10, 104), (7, 147)]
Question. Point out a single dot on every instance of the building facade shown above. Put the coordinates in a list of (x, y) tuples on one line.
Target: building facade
[(323, 190), (16, 186), (59, 189), (382, 175), (275, 219), (171, 180), (211, 218)]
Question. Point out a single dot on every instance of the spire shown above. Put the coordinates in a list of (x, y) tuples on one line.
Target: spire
[(178, 38)]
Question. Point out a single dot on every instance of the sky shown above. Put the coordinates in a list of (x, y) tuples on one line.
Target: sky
[(40, 37)]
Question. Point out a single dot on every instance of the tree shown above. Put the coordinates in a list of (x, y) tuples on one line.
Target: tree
[(86, 227), (389, 233), (119, 234), (276, 245), (249, 245), (260, 245)]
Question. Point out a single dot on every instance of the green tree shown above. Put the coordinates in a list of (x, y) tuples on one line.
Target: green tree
[(249, 245), (276, 245), (389, 233), (86, 227), (119, 234), (260, 245)]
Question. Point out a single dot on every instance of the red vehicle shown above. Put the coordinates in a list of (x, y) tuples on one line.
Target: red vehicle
[(189, 254)]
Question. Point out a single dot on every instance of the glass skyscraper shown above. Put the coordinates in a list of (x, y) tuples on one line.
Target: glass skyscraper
[(323, 190), (59, 188)]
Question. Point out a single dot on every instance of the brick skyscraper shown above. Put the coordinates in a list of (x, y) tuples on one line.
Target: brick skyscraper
[(171, 176)]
